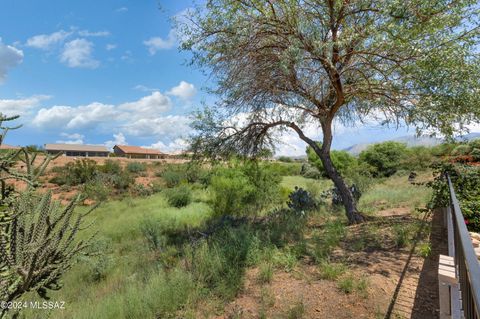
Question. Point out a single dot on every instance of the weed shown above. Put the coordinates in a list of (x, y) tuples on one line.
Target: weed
[(331, 271), (297, 311), (265, 273), (424, 249), (347, 284)]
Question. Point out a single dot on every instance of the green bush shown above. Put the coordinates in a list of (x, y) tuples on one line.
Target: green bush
[(111, 167), (96, 190), (285, 159), (244, 188), (476, 154), (475, 143), (417, 158), (172, 178), (75, 173), (384, 158), (152, 232), (342, 161), (461, 150), (136, 167), (179, 196)]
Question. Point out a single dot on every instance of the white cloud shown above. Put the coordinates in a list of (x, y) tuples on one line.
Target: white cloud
[(46, 41), (74, 138), (110, 46), (86, 33), (21, 106), (9, 57), (122, 9), (175, 146), (74, 117), (118, 139), (149, 105), (155, 44), (78, 54), (184, 90), (165, 126)]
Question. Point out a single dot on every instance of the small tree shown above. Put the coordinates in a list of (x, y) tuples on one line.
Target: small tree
[(286, 64), (385, 158), (37, 236)]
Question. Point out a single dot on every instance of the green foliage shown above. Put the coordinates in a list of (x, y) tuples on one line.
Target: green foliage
[(475, 143), (300, 201), (285, 159), (331, 271), (417, 158), (78, 172), (476, 154), (462, 149), (136, 167), (466, 181), (384, 158), (243, 188), (265, 273), (152, 232), (179, 196), (172, 178), (342, 160), (327, 239), (111, 167)]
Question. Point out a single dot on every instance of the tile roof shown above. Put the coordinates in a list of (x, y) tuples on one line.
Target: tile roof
[(9, 147), (137, 150), (75, 148)]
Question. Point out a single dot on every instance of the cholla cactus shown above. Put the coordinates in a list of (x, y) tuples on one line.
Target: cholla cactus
[(37, 245), (37, 236)]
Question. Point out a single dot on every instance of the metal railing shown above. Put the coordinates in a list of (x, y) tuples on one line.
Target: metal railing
[(466, 262)]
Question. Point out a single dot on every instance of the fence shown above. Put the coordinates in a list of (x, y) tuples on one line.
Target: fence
[(464, 263)]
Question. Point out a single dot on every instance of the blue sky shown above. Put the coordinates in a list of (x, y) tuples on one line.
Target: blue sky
[(106, 72)]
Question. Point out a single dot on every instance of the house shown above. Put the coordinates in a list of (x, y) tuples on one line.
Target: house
[(9, 147), (137, 152), (77, 150)]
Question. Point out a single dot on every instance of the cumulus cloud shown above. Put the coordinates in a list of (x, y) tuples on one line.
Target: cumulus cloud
[(10, 57), (165, 126), (74, 117), (184, 90), (86, 33), (75, 138), (78, 54), (118, 139), (175, 146), (152, 104), (156, 44), (47, 41), (21, 106)]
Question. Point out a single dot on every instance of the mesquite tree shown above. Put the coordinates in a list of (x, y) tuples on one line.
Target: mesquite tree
[(284, 64)]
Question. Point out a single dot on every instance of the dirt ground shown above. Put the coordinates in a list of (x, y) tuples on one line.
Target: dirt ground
[(400, 285)]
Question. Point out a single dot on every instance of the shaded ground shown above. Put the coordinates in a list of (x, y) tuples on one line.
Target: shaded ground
[(401, 284)]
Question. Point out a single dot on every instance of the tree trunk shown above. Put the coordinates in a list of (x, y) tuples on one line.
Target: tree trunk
[(323, 153), (348, 200)]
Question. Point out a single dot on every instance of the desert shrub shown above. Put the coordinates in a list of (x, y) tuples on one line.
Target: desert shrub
[(466, 181), (283, 169), (172, 178), (111, 167), (136, 167), (463, 149), (443, 149), (140, 190), (98, 260), (417, 158), (342, 160), (179, 196), (309, 171), (476, 154), (96, 190), (384, 158), (245, 187), (285, 159), (76, 173), (475, 143), (152, 233)]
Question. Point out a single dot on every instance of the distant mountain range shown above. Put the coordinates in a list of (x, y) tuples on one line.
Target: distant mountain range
[(411, 140)]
